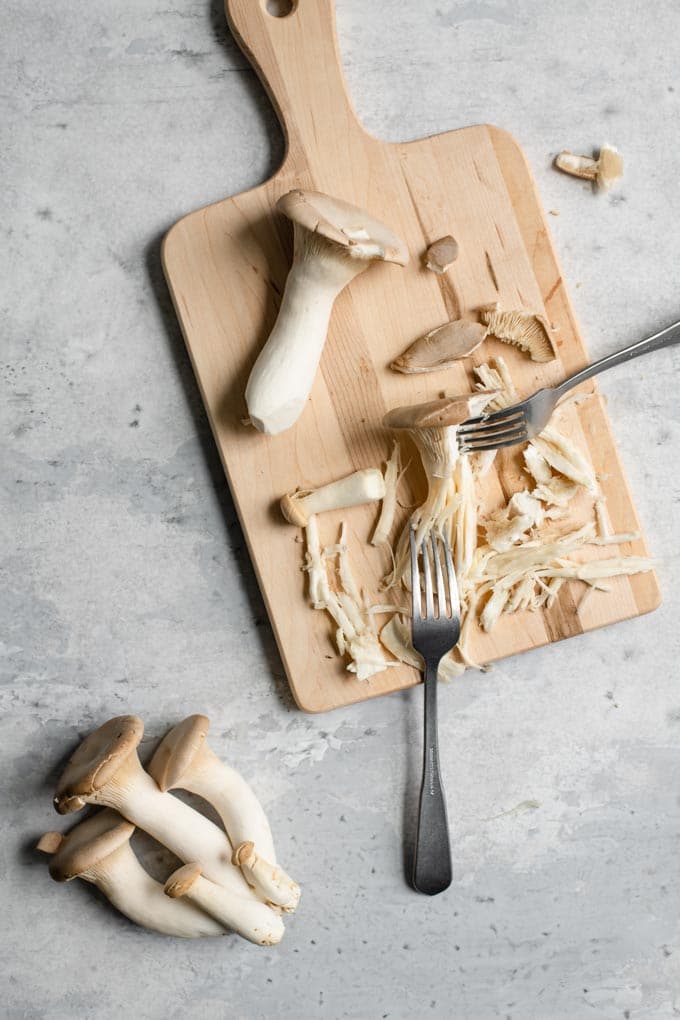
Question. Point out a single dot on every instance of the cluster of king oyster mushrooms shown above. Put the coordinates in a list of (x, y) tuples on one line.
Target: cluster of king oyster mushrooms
[(230, 881), (507, 560)]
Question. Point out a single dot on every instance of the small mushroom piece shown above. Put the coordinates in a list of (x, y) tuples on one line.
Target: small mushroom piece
[(98, 851), (526, 330), (250, 918), (360, 487), (268, 879), (105, 770), (606, 170), (183, 760), (441, 254), (441, 347), (333, 242)]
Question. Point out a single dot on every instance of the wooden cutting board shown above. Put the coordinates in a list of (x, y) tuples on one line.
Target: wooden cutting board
[(226, 266)]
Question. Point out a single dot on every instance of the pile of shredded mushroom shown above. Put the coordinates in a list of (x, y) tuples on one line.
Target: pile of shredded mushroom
[(511, 559)]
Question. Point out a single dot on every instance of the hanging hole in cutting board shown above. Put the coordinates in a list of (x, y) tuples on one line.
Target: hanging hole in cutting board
[(280, 8)]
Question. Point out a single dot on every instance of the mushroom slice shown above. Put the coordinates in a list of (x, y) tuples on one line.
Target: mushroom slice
[(441, 347), (183, 760), (98, 851), (441, 254), (334, 242), (606, 170), (360, 487), (526, 330)]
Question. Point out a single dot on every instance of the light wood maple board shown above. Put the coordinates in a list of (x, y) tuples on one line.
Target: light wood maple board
[(226, 266)]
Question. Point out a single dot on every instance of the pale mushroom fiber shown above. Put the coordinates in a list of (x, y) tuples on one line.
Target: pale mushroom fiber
[(356, 630), (333, 242), (105, 770)]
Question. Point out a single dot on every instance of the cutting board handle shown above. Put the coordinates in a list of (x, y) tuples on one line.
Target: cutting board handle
[(297, 58)]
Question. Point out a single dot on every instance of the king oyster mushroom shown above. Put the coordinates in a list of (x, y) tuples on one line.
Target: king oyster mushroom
[(98, 851), (333, 242), (604, 171), (184, 760), (106, 770)]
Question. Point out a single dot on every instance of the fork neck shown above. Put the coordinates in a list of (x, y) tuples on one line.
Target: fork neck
[(664, 338)]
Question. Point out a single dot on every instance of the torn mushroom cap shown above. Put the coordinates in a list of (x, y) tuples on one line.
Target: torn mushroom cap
[(438, 413), (360, 487), (86, 846), (605, 170), (97, 761), (441, 347), (441, 254), (526, 330), (344, 224)]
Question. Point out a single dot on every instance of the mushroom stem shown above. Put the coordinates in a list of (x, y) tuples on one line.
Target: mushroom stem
[(250, 918), (98, 851), (283, 375), (353, 490), (106, 770), (184, 760)]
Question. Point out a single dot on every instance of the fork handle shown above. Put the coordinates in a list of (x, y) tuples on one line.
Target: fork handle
[(432, 859), (665, 338)]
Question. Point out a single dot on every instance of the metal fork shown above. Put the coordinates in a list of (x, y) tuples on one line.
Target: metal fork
[(523, 421), (434, 635)]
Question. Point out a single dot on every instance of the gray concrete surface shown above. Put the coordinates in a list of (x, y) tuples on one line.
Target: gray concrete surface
[(126, 586)]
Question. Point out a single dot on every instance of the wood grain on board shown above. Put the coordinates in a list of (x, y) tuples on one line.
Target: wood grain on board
[(226, 266)]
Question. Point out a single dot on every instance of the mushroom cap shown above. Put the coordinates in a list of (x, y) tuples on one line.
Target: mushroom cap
[(177, 750), (344, 224), (87, 844), (291, 509), (441, 347), (96, 761), (437, 414), (181, 881)]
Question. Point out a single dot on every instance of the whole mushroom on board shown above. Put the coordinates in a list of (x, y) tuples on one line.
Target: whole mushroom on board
[(333, 242), (98, 851), (183, 760)]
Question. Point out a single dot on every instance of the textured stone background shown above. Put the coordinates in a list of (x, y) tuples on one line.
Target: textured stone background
[(126, 586)]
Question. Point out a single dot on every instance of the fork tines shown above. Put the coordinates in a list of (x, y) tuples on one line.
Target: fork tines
[(446, 590), (493, 431)]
